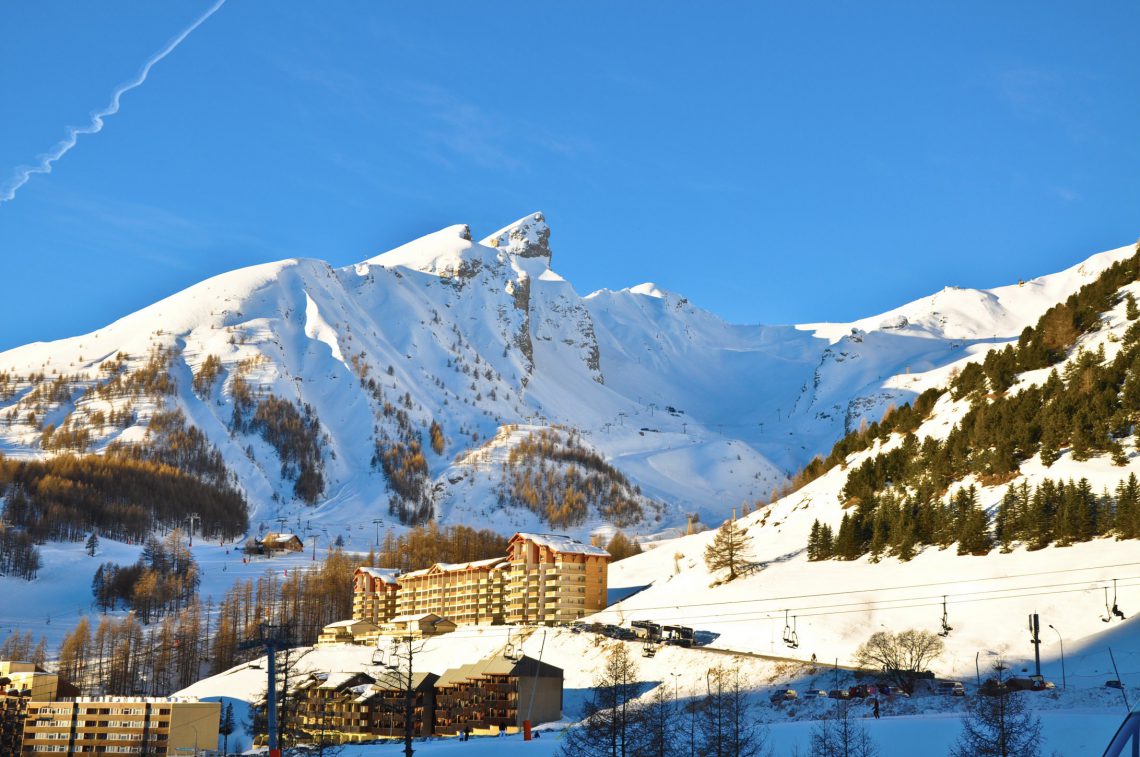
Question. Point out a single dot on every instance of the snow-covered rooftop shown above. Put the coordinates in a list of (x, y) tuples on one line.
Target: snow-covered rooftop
[(386, 575), (562, 543)]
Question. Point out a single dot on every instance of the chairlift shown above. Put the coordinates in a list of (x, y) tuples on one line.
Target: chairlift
[(1107, 610), (1115, 607), (378, 657), (793, 637), (512, 652), (946, 627), (649, 648), (787, 629)]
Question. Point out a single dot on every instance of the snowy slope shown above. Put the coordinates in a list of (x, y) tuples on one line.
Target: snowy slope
[(701, 414), (834, 606)]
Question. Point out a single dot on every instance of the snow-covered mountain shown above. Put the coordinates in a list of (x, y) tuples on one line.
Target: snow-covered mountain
[(487, 341)]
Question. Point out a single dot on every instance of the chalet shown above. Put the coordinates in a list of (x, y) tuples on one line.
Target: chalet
[(497, 694), (422, 624), (282, 543), (349, 632)]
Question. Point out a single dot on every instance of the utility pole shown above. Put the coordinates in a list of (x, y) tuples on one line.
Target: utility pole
[(1035, 629), (193, 517)]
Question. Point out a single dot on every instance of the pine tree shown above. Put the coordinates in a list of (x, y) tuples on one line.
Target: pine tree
[(227, 726), (973, 530), (813, 550), (658, 731), (612, 712), (999, 725), (725, 726), (92, 544), (840, 735), (728, 550)]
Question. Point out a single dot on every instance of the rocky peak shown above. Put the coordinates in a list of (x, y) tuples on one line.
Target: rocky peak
[(527, 237)]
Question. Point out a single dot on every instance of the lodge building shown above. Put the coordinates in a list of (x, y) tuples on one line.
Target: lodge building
[(543, 579), (494, 695)]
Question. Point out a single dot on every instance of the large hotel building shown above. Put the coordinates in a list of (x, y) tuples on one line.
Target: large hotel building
[(542, 580)]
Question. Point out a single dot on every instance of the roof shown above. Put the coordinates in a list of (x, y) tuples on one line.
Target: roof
[(415, 618), (498, 665), (349, 624), (385, 575), (473, 565), (562, 543), (337, 680), (280, 537)]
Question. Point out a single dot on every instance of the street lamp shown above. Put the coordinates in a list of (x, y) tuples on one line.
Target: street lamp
[(675, 676), (1064, 683)]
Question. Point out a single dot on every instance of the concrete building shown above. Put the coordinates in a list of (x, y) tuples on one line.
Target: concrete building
[(34, 682), (554, 579), (374, 594), (40, 713), (469, 593), (544, 579), (143, 726)]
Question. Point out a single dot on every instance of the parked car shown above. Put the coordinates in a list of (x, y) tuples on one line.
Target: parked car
[(839, 694), (951, 689), (821, 694), (859, 691), (783, 695)]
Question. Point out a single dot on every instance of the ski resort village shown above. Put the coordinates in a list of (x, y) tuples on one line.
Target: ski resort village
[(796, 414)]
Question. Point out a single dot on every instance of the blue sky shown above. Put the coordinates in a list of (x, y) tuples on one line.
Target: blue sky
[(775, 162)]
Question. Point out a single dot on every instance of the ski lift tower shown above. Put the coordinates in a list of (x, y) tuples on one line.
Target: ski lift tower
[(271, 640)]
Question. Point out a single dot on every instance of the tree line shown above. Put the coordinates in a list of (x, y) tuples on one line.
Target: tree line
[(896, 499), (164, 579), (1053, 512), (552, 474)]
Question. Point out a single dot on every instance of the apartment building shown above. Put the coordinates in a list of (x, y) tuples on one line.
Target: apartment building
[(468, 593), (543, 579), (374, 594), (142, 726), (554, 579)]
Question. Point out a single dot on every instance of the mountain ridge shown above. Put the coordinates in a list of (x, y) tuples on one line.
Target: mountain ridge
[(699, 413)]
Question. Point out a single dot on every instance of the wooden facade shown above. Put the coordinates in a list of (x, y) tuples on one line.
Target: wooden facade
[(352, 707), (490, 696), (497, 694)]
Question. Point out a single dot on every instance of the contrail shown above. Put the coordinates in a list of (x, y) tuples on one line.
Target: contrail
[(24, 173)]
